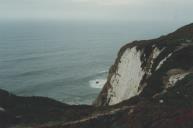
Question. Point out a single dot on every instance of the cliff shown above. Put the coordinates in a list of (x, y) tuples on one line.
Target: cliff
[(149, 68), (150, 85)]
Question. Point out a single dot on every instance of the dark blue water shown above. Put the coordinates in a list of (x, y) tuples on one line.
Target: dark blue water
[(63, 60)]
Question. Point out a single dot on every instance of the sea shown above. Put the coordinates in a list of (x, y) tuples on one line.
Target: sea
[(66, 61)]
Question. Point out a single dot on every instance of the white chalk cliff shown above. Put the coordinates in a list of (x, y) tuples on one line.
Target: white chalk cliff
[(145, 63)]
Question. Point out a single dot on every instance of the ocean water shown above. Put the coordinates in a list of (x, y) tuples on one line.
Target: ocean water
[(63, 60)]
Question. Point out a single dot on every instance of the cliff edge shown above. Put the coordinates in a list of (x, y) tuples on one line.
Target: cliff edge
[(150, 85), (149, 68)]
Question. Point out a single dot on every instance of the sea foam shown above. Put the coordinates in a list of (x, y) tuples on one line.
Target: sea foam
[(97, 83)]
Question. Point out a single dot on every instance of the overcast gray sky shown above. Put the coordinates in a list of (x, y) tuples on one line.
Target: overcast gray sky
[(132, 10)]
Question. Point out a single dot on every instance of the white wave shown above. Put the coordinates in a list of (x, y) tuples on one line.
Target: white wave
[(97, 83), (104, 71)]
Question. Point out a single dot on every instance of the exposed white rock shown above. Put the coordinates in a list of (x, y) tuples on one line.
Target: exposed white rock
[(2, 109), (161, 101), (125, 82), (188, 41), (175, 78), (169, 55), (156, 52), (137, 67), (162, 61)]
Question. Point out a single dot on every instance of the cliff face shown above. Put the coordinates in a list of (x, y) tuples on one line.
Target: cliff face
[(150, 85), (149, 67)]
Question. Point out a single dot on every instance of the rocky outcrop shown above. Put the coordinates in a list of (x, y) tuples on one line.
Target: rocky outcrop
[(149, 86), (149, 67)]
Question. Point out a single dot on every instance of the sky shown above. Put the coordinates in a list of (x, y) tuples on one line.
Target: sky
[(98, 10)]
